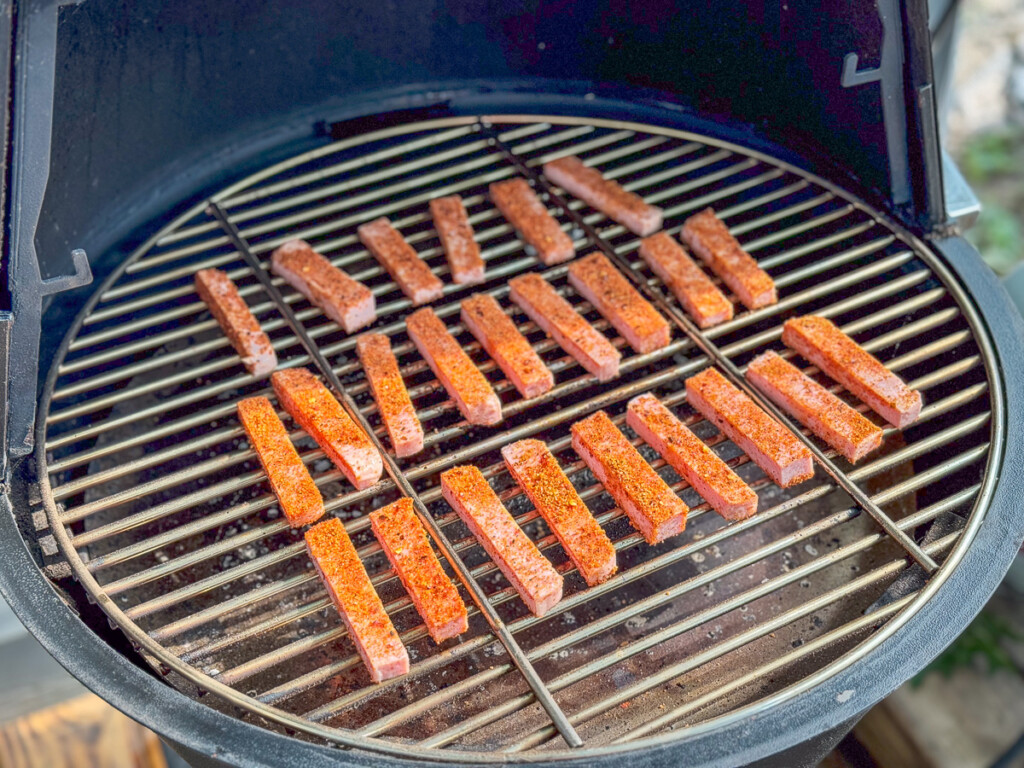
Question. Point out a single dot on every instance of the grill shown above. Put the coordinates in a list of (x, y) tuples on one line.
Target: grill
[(163, 514)]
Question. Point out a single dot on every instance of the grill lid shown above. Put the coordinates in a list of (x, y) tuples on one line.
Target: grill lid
[(166, 520)]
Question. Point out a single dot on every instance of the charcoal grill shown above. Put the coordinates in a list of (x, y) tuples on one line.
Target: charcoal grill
[(145, 506)]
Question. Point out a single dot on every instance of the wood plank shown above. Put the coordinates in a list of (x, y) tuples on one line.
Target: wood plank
[(84, 732)]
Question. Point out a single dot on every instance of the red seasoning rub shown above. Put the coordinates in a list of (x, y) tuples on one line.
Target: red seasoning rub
[(653, 508), (599, 282), (835, 422), (709, 238), (456, 233), (699, 296), (536, 470), (533, 577), (605, 195), (404, 541), (393, 401), (407, 269), (498, 335), (236, 320), (457, 373), (687, 454), (317, 411), (772, 447), (522, 208), (298, 495), (353, 595), (347, 302), (556, 317), (839, 356)]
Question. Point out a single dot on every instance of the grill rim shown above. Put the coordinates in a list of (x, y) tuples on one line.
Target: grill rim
[(984, 333)]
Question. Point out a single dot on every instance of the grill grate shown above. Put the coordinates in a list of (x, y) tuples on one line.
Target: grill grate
[(165, 516)]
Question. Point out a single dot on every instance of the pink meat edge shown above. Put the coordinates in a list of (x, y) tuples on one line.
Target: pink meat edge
[(552, 256), (410, 446), (366, 472), (485, 414), (781, 476), (729, 510), (538, 603), (260, 365), (360, 315), (652, 533), (605, 371), (528, 391), (389, 667), (473, 276), (423, 295)]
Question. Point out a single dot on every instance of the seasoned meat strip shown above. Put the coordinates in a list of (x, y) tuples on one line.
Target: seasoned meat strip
[(835, 422), (404, 541), (556, 317), (469, 388), (533, 577), (498, 335), (772, 447), (407, 269), (536, 470), (822, 343), (605, 195), (708, 237), (653, 508), (699, 296), (389, 391), (347, 302), (352, 592), (522, 208), (456, 233), (291, 482), (317, 411), (687, 454), (597, 280), (237, 321)]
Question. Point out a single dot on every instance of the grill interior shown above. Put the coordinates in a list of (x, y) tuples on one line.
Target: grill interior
[(167, 520)]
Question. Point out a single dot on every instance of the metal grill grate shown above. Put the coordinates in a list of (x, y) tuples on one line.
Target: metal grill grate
[(166, 518)]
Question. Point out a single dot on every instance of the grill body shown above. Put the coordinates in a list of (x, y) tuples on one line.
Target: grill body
[(795, 726)]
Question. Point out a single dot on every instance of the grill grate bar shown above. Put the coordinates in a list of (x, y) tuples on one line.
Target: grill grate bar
[(128, 308), (625, 694), (222, 589), (232, 197), (186, 233), (866, 471), (901, 334), (711, 350), (498, 627), (329, 210)]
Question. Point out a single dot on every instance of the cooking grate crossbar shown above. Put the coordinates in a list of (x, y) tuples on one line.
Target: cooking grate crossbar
[(168, 515), (543, 694), (712, 352)]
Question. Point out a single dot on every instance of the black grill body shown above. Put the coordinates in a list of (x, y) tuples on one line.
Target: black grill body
[(118, 110)]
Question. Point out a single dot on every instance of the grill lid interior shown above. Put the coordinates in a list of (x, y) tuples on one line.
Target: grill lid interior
[(165, 517)]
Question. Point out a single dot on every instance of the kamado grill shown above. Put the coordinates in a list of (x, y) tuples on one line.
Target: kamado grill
[(143, 546)]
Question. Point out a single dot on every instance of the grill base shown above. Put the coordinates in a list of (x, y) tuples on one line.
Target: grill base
[(576, 697)]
